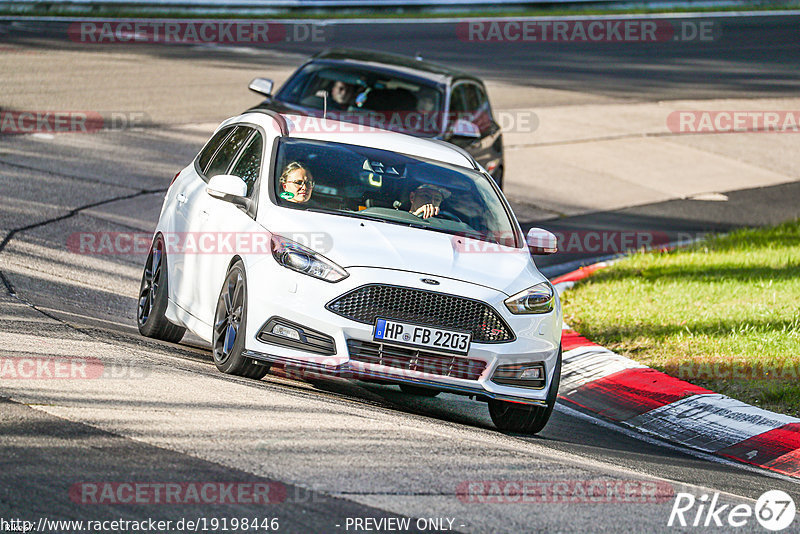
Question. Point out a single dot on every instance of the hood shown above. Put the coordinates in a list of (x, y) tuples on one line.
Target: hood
[(353, 242)]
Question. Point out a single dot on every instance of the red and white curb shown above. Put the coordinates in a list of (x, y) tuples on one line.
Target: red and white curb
[(622, 390)]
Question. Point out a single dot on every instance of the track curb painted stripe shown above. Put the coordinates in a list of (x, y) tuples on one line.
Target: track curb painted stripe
[(622, 390)]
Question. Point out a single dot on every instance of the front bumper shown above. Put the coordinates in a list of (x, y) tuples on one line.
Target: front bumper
[(302, 300), (345, 370)]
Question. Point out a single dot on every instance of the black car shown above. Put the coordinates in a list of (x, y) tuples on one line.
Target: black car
[(396, 93)]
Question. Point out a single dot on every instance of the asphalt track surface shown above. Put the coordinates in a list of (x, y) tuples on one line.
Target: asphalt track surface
[(342, 450)]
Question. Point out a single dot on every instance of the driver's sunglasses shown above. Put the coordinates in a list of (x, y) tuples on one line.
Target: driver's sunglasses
[(435, 198), (301, 183)]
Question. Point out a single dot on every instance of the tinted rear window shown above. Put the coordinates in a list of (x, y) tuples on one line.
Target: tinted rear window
[(224, 156), (211, 147)]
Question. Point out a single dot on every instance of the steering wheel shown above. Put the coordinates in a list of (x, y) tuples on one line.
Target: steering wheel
[(448, 215)]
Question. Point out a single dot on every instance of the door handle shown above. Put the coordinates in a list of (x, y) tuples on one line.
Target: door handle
[(181, 198)]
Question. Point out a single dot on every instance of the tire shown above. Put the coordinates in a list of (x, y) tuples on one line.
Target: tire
[(525, 419), (230, 325), (419, 391), (153, 295)]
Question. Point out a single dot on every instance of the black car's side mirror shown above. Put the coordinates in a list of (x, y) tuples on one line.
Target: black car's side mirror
[(466, 129), (262, 86)]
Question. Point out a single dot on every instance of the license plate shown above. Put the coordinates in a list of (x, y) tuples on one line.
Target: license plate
[(414, 335)]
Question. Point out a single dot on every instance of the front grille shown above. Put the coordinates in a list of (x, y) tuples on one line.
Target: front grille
[(415, 360), (367, 303)]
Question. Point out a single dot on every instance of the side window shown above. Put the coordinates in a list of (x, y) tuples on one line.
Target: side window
[(211, 147), (224, 156), (458, 101), (469, 102), (482, 101), (479, 104), (249, 165)]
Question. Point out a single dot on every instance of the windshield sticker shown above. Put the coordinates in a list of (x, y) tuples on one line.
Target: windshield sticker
[(379, 168), (286, 195)]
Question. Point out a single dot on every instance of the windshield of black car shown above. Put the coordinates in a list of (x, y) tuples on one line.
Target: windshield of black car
[(361, 182), (375, 98)]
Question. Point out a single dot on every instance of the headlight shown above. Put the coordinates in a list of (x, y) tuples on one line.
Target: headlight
[(298, 258), (537, 299)]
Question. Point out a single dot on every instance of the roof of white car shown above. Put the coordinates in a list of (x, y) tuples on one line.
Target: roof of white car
[(318, 129)]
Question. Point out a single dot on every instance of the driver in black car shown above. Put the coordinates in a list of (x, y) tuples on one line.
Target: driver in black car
[(342, 95), (426, 199)]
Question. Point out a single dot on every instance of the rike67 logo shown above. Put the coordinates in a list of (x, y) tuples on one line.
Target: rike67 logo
[(774, 510)]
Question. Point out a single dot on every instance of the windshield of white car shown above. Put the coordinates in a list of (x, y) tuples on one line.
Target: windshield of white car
[(374, 98), (361, 182)]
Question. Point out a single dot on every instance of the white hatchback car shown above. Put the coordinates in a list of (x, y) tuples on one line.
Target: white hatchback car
[(343, 250)]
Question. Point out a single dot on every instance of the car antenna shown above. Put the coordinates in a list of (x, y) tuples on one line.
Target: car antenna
[(324, 96)]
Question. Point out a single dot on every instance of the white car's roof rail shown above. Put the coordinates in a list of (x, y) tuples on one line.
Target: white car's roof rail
[(282, 125)]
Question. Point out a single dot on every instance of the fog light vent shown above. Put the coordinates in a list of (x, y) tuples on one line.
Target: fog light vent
[(279, 331), (527, 375)]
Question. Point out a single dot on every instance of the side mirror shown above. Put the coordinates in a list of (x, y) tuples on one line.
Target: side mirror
[(541, 242), (465, 128), (261, 86), (229, 188)]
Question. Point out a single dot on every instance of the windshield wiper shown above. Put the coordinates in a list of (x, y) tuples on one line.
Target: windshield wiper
[(358, 215), (344, 213), (323, 210)]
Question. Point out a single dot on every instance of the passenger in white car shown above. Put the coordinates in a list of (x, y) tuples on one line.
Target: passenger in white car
[(297, 183)]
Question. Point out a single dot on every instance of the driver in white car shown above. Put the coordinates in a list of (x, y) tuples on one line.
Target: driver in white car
[(426, 199)]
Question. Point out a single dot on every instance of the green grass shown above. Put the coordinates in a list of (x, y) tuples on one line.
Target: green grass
[(732, 302)]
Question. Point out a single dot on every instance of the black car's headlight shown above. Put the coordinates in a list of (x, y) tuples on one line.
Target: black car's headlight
[(296, 257), (537, 299)]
